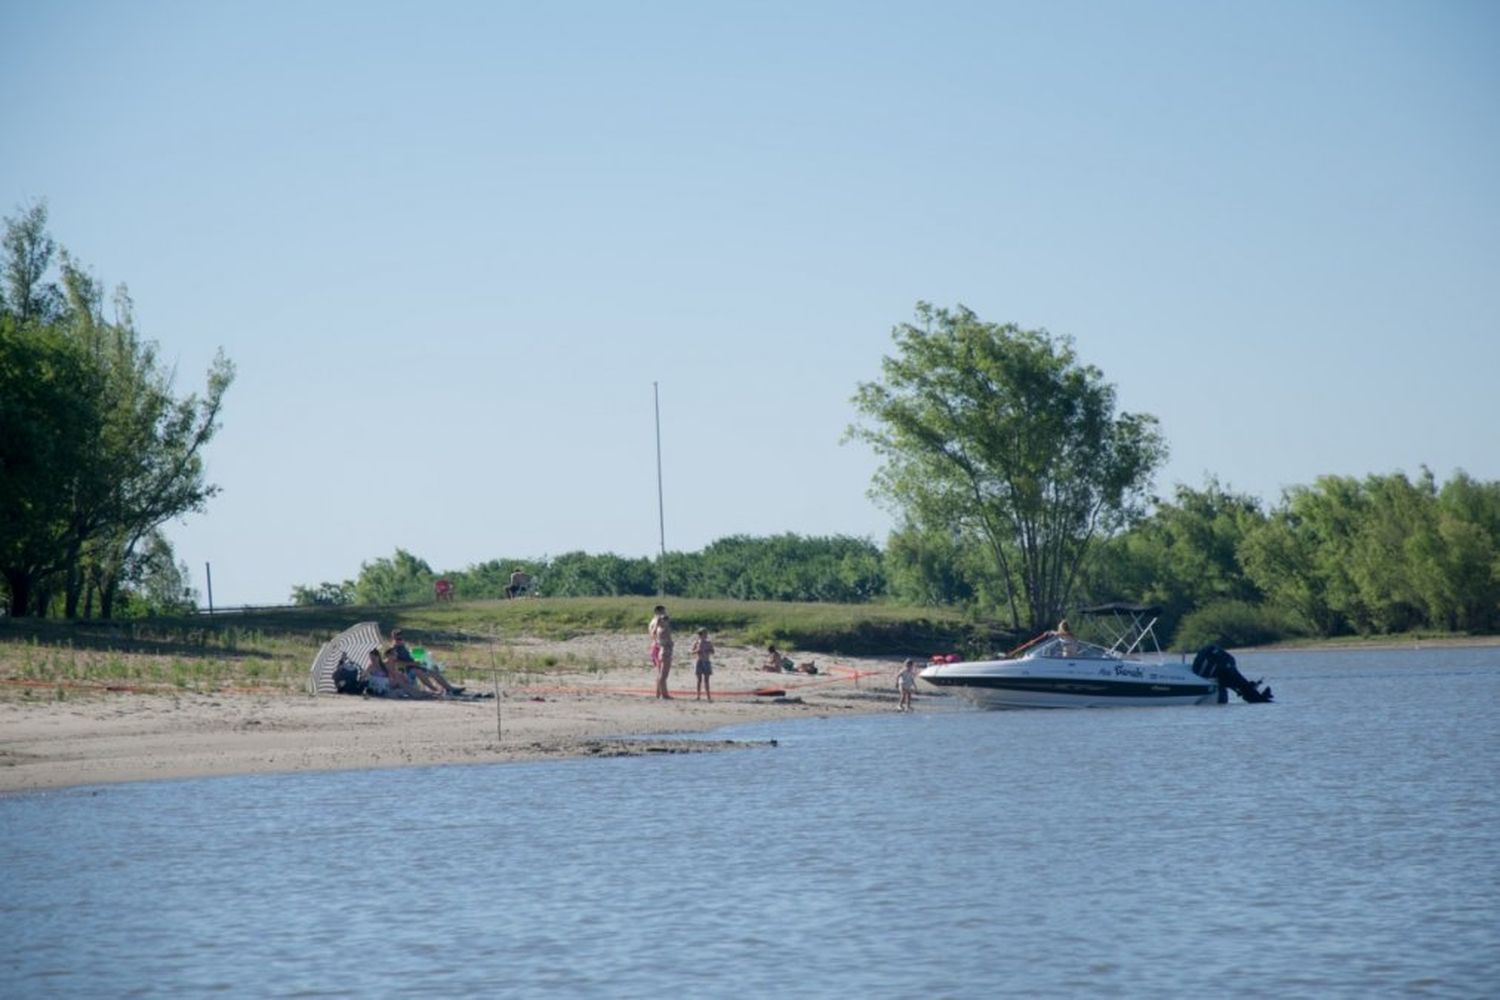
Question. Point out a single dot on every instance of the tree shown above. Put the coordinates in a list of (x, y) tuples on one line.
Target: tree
[(98, 450), (155, 581), (1300, 557), (402, 579), (49, 392), (1003, 436), (1184, 556), (26, 252), (325, 594)]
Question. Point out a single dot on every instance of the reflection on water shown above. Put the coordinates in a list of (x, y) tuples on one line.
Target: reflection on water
[(1338, 843)]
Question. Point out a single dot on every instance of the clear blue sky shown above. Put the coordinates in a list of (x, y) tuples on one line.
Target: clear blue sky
[(450, 246)]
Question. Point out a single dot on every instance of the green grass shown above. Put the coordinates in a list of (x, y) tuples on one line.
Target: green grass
[(273, 648)]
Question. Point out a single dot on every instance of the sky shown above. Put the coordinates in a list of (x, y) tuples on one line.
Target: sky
[(460, 252)]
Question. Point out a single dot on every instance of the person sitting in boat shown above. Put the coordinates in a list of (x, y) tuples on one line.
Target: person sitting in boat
[(1067, 644)]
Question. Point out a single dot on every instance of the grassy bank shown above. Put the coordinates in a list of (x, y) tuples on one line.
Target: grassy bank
[(271, 649)]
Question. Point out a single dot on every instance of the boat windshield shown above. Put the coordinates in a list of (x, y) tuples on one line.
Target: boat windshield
[(1069, 648)]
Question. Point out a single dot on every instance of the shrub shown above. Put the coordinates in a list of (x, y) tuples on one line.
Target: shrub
[(1235, 623)]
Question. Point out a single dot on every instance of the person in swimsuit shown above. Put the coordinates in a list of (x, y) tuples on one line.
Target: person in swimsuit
[(656, 616), (664, 653), (906, 683), (703, 667)]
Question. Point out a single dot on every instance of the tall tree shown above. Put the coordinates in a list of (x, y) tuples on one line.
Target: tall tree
[(49, 419), (1004, 436), (26, 252), (126, 453), (1185, 555)]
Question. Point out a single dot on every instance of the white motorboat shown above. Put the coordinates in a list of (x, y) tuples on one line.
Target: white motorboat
[(1058, 670)]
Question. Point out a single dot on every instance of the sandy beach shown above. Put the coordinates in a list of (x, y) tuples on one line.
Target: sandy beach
[(112, 736)]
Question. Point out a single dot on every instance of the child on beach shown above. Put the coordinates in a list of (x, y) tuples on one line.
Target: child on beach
[(906, 683), (703, 666)]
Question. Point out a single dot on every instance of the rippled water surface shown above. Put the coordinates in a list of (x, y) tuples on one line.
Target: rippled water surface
[(1340, 843)]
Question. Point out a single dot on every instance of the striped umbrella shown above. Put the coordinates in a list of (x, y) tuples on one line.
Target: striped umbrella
[(352, 645)]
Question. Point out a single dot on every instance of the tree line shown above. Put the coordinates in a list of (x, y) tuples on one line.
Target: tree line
[(786, 567), (1343, 556), (1019, 492), (96, 450)]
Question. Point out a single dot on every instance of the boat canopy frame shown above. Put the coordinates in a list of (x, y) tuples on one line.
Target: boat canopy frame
[(1130, 627)]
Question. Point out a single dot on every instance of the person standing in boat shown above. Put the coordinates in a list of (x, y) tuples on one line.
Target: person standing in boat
[(1069, 644), (906, 683)]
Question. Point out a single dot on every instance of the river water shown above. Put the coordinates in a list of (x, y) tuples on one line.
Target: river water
[(1339, 843)]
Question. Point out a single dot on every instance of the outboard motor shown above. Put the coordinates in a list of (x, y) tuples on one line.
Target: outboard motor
[(1214, 663)]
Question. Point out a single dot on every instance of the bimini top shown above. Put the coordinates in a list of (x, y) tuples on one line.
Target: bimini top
[(1122, 608)]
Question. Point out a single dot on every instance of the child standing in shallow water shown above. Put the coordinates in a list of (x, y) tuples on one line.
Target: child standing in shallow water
[(906, 683), (703, 666)]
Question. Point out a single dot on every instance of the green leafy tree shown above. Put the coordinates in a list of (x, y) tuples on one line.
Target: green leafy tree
[(1462, 585), (155, 581), (149, 463), (1184, 556), (785, 567), (101, 452), (1300, 558), (49, 418), (578, 574), (935, 566), (26, 252), (402, 579), (325, 594), (1004, 437)]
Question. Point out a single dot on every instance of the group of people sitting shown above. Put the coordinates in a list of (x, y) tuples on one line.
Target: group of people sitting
[(394, 674), (778, 663)]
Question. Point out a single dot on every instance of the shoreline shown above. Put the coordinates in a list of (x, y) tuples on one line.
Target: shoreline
[(114, 736)]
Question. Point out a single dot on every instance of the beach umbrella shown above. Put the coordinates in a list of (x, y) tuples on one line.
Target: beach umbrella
[(353, 644)]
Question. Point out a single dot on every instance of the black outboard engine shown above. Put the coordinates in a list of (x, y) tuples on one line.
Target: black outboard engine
[(1214, 663)]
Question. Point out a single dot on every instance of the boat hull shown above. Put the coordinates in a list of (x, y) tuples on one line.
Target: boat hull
[(1071, 684)]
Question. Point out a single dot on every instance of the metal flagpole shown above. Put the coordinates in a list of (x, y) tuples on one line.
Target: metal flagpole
[(661, 516)]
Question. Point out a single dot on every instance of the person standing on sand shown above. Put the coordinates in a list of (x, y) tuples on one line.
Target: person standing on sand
[(906, 683), (663, 636), (703, 667), (656, 616)]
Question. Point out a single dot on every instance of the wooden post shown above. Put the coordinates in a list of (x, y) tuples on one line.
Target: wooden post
[(495, 676)]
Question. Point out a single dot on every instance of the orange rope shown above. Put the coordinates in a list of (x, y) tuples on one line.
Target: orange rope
[(851, 674)]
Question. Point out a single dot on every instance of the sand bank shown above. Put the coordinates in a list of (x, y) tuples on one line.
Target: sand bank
[(114, 736)]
